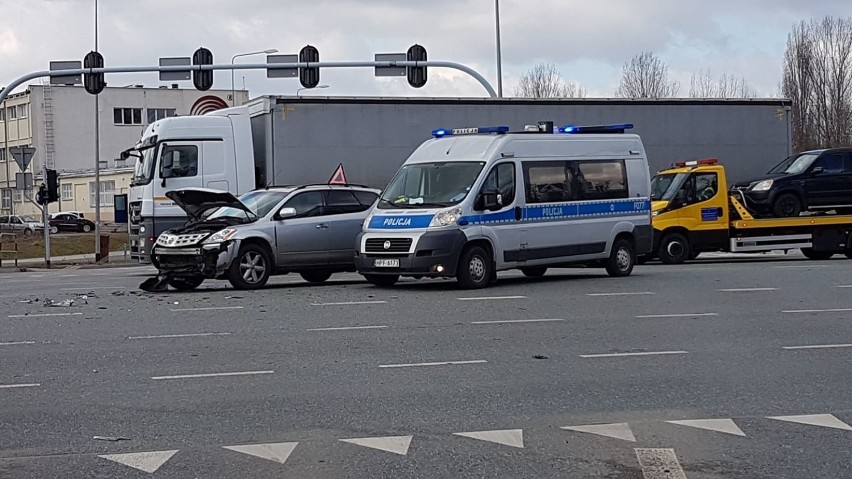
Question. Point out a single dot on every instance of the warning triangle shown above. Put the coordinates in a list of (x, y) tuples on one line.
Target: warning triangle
[(719, 425), (824, 420), (144, 461), (395, 444), (508, 437), (616, 430), (338, 177), (276, 452)]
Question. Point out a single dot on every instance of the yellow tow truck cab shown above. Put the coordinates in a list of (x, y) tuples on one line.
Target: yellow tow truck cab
[(693, 211)]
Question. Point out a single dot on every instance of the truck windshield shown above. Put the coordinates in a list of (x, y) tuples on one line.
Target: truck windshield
[(436, 184), (145, 167), (795, 164), (664, 187)]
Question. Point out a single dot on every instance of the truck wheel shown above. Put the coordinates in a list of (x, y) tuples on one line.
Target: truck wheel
[(475, 268), (787, 205), (382, 280), (186, 283), (674, 249), (251, 268), (316, 276), (621, 259), (534, 271), (816, 255)]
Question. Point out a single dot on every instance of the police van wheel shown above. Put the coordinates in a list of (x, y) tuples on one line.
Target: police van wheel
[(382, 280), (475, 268), (186, 283), (674, 249), (534, 271), (622, 259)]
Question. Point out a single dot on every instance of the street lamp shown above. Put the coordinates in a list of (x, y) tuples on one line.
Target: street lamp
[(305, 88), (233, 92), (499, 60)]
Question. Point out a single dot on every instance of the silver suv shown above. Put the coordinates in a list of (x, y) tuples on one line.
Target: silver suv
[(310, 230)]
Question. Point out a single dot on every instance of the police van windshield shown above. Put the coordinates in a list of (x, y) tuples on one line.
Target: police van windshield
[(664, 187), (424, 185)]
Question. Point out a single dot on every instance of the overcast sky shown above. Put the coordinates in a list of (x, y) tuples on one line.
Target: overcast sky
[(588, 41)]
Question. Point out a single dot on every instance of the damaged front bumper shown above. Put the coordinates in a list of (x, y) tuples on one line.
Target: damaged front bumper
[(208, 260)]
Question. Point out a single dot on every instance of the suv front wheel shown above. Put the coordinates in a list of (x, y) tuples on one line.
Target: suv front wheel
[(251, 269), (787, 205)]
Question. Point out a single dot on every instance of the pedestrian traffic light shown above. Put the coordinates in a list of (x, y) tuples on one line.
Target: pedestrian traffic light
[(41, 195), (203, 79), (52, 186), (94, 82), (416, 75), (309, 77)]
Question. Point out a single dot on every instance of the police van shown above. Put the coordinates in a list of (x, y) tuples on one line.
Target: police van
[(473, 201)]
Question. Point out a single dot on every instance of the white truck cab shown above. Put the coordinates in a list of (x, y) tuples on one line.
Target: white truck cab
[(473, 201)]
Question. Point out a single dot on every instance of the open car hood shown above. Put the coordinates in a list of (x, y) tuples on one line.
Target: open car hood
[(197, 201)]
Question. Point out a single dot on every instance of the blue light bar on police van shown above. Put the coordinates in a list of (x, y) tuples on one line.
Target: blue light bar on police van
[(469, 131), (615, 128)]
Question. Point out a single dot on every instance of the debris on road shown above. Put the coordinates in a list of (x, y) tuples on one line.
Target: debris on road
[(540, 356), (110, 438), (62, 304)]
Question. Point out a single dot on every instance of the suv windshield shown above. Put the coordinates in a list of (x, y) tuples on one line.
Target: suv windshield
[(436, 184), (664, 187), (795, 164), (259, 202)]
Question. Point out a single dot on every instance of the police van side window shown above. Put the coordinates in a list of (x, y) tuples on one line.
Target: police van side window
[(548, 181), (502, 179), (602, 180)]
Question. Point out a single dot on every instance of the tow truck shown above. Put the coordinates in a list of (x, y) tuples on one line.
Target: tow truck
[(693, 211)]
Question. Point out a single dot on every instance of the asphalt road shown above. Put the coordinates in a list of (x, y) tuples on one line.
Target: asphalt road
[(573, 375)]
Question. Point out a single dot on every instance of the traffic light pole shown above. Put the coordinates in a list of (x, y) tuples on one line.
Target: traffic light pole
[(45, 219)]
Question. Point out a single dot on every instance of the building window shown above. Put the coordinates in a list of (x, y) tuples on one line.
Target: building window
[(18, 196), (67, 191), (22, 111), (107, 193), (2, 155), (7, 199), (2, 114), (127, 116), (10, 112), (155, 114)]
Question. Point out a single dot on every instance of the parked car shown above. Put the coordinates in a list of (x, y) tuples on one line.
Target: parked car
[(75, 213), (811, 180), (309, 230), (70, 222), (21, 224)]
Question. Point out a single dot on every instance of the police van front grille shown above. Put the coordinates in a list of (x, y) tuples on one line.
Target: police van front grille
[(394, 245)]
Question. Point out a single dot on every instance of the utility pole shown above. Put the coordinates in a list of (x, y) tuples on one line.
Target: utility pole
[(499, 59), (6, 153), (97, 158)]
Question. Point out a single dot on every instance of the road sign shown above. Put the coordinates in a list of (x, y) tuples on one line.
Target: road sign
[(23, 155), (65, 79), (23, 181), (282, 72), (391, 71), (175, 75)]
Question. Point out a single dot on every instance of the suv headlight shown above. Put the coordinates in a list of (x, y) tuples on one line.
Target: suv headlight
[(446, 217), (221, 236), (762, 185)]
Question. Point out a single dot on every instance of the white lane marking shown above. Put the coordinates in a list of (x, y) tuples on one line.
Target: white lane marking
[(489, 298), (679, 315), (346, 328), (444, 363), (517, 321), (68, 275), (12, 386), (212, 375), (727, 426), (43, 315), (144, 461), (90, 288), (277, 452), (845, 286), (190, 335), (620, 430), (14, 343), (507, 437), (824, 420), (637, 293), (213, 308), (744, 290), (659, 463), (395, 444), (819, 346), (804, 266), (348, 303), (619, 355), (836, 310)]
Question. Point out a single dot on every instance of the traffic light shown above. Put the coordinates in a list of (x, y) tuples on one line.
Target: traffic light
[(309, 77), (416, 75), (52, 186), (94, 82), (41, 195), (203, 79)]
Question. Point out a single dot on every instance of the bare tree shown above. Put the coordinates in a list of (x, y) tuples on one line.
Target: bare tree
[(702, 85), (646, 76), (544, 81), (818, 79)]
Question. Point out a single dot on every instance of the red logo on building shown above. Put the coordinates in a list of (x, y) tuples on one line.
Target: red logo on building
[(206, 104)]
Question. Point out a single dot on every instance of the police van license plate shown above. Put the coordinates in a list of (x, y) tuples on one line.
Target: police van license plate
[(387, 263)]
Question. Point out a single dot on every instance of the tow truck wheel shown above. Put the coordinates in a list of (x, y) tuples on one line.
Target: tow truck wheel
[(534, 271), (186, 283), (817, 255), (315, 276), (251, 268), (674, 249), (475, 268), (622, 259), (382, 280)]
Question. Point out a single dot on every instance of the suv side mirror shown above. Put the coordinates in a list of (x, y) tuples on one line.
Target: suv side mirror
[(488, 200), (818, 170), (286, 212)]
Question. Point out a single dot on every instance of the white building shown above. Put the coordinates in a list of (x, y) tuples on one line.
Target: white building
[(59, 121)]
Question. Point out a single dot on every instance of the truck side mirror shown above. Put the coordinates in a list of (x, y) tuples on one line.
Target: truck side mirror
[(286, 212)]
